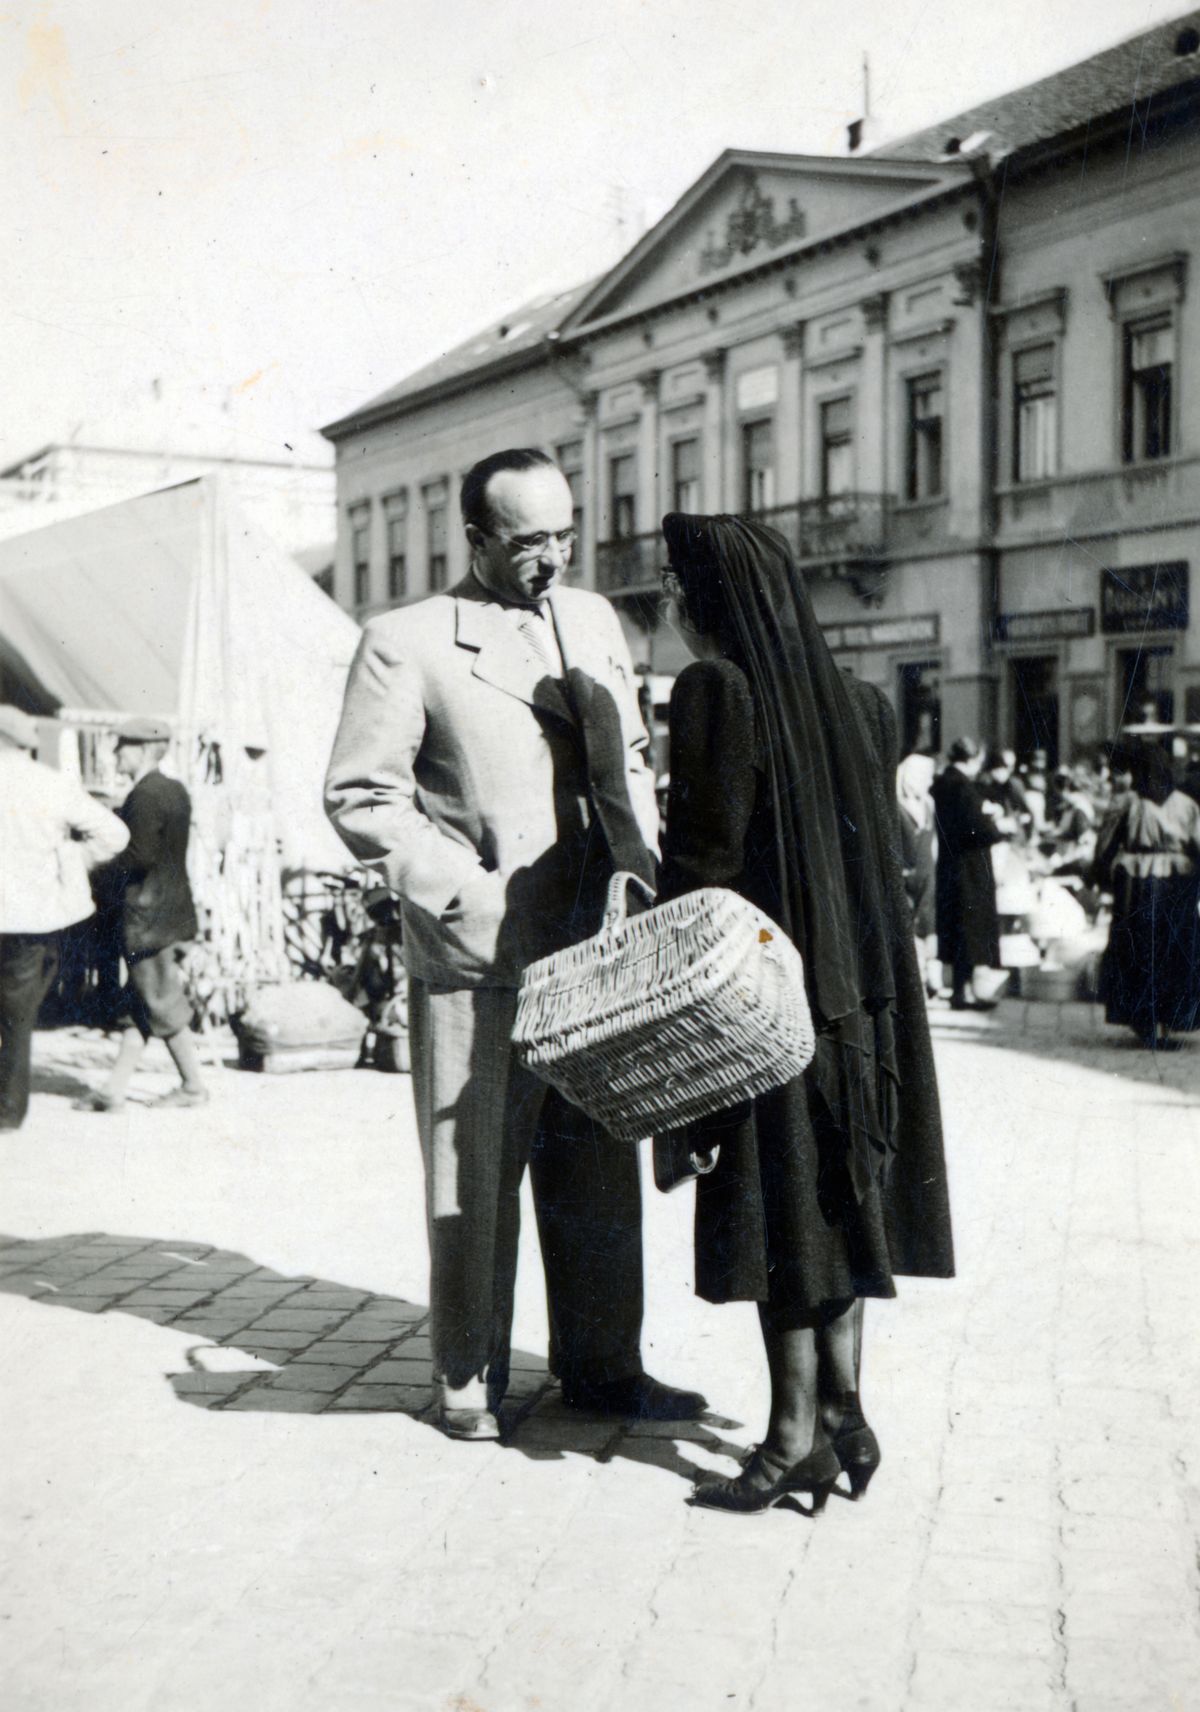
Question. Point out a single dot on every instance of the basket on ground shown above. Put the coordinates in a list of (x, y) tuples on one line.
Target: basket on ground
[(667, 1016)]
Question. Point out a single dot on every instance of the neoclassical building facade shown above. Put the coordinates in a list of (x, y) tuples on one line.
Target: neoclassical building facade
[(955, 373)]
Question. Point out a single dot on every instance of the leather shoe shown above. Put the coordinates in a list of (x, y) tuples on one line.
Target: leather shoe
[(467, 1423), (466, 1411), (637, 1397)]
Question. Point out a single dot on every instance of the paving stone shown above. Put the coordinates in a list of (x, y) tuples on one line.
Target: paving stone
[(212, 1325), (344, 1300), (955, 1681), (346, 1355), (984, 1629), (92, 1304), (585, 1438), (406, 1399), (179, 1301), (308, 1378), (1003, 1581), (312, 1321), (277, 1402), (157, 1316), (393, 1372), (438, 1666), (209, 1386), (256, 1339), (24, 1284), (521, 1361), (134, 1269)]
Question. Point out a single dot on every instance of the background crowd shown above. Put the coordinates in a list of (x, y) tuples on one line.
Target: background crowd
[(1078, 881)]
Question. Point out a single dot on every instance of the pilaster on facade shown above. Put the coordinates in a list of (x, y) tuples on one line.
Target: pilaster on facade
[(589, 407), (789, 414), (647, 451), (873, 395), (875, 312), (715, 365)]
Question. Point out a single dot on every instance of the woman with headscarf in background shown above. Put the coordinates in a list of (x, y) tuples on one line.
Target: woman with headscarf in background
[(914, 777), (782, 790), (1148, 856), (968, 927)]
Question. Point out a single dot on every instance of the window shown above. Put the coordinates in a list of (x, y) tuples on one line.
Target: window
[(1035, 414), (1144, 686), (1149, 358), (758, 465), (837, 447), (924, 453), (360, 553), (685, 475), (396, 512), (436, 535), (622, 496)]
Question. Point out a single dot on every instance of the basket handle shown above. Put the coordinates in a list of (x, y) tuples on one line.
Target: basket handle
[(617, 907)]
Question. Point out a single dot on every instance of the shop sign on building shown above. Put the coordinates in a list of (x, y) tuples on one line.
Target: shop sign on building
[(1052, 625), (1134, 598), (885, 633)]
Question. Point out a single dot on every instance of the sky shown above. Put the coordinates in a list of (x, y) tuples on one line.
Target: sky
[(230, 221)]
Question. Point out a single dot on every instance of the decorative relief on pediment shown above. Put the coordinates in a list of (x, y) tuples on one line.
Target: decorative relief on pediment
[(752, 222)]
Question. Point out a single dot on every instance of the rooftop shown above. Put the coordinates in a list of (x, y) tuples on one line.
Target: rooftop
[(1120, 76), (521, 332), (1123, 76)]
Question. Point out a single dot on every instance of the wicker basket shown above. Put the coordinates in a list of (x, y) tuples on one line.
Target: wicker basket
[(669, 1015)]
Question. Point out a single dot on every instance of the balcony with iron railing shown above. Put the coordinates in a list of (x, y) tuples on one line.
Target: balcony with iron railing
[(847, 532)]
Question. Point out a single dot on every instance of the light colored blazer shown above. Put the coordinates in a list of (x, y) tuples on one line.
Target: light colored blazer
[(51, 833), (457, 774)]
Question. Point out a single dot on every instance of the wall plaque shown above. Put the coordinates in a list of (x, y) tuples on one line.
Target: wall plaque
[(1049, 626), (1134, 598), (924, 630)]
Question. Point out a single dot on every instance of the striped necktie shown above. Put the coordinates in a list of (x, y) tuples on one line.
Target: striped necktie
[(532, 627)]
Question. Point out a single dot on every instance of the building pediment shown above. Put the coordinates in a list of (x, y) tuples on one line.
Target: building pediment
[(751, 208)]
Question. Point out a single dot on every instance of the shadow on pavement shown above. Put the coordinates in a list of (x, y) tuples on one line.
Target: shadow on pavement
[(269, 1342), (1072, 1034)]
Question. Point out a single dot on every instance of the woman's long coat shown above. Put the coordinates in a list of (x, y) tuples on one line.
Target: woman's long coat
[(778, 1219), (968, 928)]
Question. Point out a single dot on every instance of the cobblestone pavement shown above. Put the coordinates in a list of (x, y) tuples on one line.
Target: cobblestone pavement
[(221, 1490)]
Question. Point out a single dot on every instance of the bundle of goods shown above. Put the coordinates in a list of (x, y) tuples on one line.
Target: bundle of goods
[(300, 1025), (667, 1016)]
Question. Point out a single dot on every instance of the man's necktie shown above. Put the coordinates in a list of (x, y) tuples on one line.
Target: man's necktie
[(532, 627)]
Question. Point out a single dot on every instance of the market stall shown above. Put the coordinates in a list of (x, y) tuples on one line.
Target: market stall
[(174, 606)]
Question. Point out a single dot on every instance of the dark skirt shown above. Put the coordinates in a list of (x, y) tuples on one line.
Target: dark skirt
[(778, 1220), (1150, 973), (968, 927)]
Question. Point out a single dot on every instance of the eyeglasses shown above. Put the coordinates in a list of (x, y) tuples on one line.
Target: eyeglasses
[(533, 546)]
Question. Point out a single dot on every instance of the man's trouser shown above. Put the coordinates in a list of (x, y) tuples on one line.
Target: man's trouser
[(481, 1117), (28, 965)]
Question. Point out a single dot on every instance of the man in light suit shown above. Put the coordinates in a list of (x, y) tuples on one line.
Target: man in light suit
[(490, 764)]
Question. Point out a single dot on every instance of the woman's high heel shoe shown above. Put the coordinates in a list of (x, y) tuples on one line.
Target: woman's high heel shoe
[(857, 1451), (765, 1479)]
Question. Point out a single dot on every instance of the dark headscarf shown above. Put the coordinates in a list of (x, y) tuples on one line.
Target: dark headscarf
[(832, 842), (1153, 777)]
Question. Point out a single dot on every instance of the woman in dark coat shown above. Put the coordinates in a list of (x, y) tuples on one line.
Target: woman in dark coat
[(1148, 856), (782, 789), (968, 927)]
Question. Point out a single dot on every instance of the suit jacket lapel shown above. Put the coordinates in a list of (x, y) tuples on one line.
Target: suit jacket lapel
[(505, 660)]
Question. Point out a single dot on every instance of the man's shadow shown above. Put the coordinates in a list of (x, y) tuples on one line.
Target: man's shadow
[(295, 1344)]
